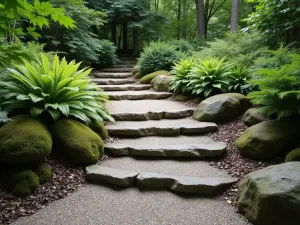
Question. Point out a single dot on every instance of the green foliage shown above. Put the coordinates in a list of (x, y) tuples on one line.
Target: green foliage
[(279, 89), (107, 55), (55, 89), (179, 79), (278, 19), (239, 80), (158, 56), (23, 183), (182, 45), (149, 77), (209, 77), (44, 173), (240, 48)]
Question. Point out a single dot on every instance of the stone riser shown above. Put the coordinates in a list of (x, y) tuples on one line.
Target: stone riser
[(163, 151), (161, 131), (210, 186), (153, 115)]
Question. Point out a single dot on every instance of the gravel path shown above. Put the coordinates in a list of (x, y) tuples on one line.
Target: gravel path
[(98, 205)]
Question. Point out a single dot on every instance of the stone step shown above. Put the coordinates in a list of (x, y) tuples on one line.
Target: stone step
[(112, 81), (120, 66), (111, 75), (122, 69), (131, 87), (148, 110), (137, 95), (206, 186), (165, 127)]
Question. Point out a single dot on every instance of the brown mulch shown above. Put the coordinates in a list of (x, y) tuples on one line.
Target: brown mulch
[(65, 180), (233, 162)]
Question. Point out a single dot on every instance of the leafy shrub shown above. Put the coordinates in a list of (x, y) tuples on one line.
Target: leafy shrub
[(179, 78), (107, 54), (239, 79), (279, 89), (53, 90), (240, 48), (210, 76), (158, 56), (149, 77), (182, 45)]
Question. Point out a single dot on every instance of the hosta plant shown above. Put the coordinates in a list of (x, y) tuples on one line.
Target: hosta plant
[(210, 76), (179, 79), (54, 89), (239, 80), (279, 90)]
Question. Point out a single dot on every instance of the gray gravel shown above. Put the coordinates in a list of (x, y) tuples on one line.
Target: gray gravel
[(97, 205)]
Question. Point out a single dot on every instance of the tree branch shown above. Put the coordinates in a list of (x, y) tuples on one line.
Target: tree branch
[(210, 16)]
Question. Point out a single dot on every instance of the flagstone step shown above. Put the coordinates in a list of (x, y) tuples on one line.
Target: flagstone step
[(148, 110), (129, 87), (205, 186), (112, 81), (122, 69), (120, 66), (164, 127), (137, 95), (112, 75)]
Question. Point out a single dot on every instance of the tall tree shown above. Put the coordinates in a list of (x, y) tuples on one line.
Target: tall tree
[(234, 16), (200, 19)]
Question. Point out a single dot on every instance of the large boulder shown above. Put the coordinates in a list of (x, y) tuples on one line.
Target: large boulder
[(149, 77), (77, 142), (24, 140), (253, 116), (220, 108), (100, 129), (267, 139), (160, 83), (271, 196), (293, 156)]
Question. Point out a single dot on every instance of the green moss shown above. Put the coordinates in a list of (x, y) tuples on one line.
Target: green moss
[(293, 156), (137, 76), (135, 70), (149, 77), (198, 100), (99, 128), (24, 140), (77, 142), (44, 173), (23, 183), (181, 98)]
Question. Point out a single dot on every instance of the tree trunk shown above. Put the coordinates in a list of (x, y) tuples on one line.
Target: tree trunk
[(234, 16), (178, 19), (200, 19)]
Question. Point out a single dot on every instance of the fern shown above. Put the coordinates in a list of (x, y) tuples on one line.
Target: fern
[(239, 80)]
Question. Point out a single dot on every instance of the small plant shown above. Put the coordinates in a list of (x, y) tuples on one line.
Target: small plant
[(158, 56), (182, 45), (210, 76), (179, 79), (279, 89), (239, 79), (107, 54), (3, 117), (55, 89)]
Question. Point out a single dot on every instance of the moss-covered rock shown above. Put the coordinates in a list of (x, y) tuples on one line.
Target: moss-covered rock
[(23, 183), (100, 129), (149, 77), (44, 173), (270, 196), (267, 139), (181, 98), (24, 140), (160, 83), (253, 116), (77, 142), (135, 70), (198, 100), (293, 156), (220, 108), (137, 76)]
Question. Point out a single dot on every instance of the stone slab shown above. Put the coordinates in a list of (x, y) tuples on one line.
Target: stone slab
[(111, 81), (128, 87), (137, 95), (111, 75), (100, 174), (118, 69)]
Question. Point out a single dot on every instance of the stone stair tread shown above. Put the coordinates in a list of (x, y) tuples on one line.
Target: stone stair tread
[(122, 69), (180, 150), (137, 95), (164, 127), (125, 87), (111, 75), (148, 109), (146, 180), (113, 81)]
